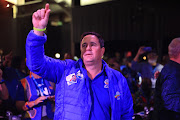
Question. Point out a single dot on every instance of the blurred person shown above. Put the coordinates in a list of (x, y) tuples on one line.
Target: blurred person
[(12, 76), (131, 76), (147, 69), (7, 60), (3, 89), (127, 54), (19, 63), (113, 63), (4, 95), (35, 98), (86, 89), (1, 58), (167, 91), (67, 56), (144, 96), (118, 57), (165, 59)]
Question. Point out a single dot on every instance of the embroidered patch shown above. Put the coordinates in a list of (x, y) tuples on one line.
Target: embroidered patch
[(79, 75), (106, 83), (72, 78), (117, 96)]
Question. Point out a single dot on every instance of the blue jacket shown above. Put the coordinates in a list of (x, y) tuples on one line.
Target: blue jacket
[(73, 101), (167, 92)]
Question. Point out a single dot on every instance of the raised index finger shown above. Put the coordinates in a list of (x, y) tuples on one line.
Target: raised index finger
[(46, 6)]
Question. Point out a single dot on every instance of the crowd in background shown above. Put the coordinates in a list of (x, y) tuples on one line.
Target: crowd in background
[(139, 72)]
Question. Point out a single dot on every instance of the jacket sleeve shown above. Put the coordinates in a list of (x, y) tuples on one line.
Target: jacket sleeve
[(127, 105), (171, 92), (37, 62)]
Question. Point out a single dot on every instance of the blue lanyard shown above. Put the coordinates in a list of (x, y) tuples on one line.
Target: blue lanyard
[(40, 87)]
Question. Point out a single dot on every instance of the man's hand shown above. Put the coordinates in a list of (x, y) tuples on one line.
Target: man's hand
[(40, 19), (40, 99), (140, 52)]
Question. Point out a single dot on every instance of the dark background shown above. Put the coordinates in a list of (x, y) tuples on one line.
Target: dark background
[(124, 25)]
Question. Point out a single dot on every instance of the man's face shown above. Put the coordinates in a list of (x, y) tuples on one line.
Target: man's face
[(152, 58), (91, 50)]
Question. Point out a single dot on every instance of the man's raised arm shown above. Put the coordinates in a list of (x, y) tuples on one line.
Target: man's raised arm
[(37, 61), (40, 20)]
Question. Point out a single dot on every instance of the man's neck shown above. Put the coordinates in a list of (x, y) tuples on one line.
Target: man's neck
[(93, 70), (175, 60)]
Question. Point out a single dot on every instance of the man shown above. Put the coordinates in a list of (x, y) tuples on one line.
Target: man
[(167, 91), (12, 75), (147, 69), (96, 93)]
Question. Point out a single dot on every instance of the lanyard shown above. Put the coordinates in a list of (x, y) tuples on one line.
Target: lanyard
[(40, 86)]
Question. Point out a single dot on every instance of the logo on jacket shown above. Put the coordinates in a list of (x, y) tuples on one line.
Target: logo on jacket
[(117, 96), (106, 83), (72, 78), (79, 75)]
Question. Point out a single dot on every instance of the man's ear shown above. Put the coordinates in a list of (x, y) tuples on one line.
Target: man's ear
[(102, 51)]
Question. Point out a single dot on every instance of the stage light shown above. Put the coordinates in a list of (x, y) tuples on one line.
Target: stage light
[(76, 58), (144, 58), (7, 5), (57, 55)]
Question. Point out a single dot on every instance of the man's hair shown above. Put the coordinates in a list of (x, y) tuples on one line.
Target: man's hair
[(174, 48), (101, 41), (152, 54)]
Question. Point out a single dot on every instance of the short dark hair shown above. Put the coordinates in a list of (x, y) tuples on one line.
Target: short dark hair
[(101, 41)]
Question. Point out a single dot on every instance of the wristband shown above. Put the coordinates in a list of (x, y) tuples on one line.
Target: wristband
[(37, 29), (2, 81), (27, 105)]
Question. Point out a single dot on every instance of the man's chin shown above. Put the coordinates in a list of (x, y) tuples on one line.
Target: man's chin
[(88, 60)]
